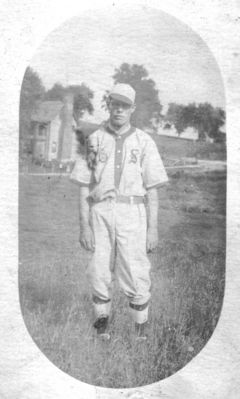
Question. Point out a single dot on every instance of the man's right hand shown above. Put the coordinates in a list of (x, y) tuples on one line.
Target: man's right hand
[(86, 238)]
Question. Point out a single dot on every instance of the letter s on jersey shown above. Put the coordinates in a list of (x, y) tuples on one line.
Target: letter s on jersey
[(133, 156)]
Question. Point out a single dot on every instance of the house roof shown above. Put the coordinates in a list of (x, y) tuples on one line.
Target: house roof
[(46, 111)]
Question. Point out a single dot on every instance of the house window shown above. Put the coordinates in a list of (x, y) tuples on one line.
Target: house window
[(42, 130), (54, 147)]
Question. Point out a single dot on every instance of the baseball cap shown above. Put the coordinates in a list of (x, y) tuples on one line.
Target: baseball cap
[(123, 92)]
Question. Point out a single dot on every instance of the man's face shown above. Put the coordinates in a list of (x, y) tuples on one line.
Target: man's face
[(120, 112)]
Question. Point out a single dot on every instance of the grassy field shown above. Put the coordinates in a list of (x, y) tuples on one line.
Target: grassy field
[(188, 272), (172, 147)]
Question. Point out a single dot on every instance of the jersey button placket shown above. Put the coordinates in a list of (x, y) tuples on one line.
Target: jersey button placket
[(118, 160)]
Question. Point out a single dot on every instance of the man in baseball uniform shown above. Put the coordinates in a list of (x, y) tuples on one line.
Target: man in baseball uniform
[(119, 174)]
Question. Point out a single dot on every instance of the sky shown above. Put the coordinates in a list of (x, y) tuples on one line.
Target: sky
[(88, 48)]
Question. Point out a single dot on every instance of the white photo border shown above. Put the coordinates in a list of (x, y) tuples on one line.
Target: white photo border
[(25, 371)]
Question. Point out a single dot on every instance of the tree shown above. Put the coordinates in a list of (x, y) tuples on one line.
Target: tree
[(208, 120), (82, 97), (175, 116), (32, 91), (203, 117), (55, 93), (148, 105)]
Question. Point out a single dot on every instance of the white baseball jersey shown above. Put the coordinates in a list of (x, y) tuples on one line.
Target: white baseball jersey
[(126, 164)]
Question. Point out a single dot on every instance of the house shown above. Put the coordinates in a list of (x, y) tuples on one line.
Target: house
[(168, 129), (52, 133), (221, 138), (190, 133)]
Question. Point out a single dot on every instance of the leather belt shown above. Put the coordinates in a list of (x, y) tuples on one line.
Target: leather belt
[(132, 199), (124, 199)]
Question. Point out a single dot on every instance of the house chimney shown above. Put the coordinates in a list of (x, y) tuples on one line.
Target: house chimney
[(66, 133)]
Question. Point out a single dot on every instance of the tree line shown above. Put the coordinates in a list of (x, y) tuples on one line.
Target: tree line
[(205, 118)]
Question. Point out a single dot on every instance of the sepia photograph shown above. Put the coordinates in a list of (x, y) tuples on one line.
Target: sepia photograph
[(122, 196)]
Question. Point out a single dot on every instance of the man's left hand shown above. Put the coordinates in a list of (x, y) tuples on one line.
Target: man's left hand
[(152, 239)]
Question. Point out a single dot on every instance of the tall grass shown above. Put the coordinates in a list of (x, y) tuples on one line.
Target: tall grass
[(187, 274)]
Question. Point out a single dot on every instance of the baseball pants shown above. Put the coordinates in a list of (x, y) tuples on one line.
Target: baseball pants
[(120, 249)]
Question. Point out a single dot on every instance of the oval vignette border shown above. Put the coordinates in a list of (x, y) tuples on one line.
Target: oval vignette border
[(41, 383), (167, 19)]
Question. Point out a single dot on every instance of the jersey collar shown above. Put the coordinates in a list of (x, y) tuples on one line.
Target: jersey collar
[(125, 131)]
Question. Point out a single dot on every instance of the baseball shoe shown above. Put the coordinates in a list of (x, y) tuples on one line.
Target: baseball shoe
[(101, 325), (140, 331)]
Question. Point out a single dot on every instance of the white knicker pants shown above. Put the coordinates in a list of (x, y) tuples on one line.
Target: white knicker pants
[(120, 247)]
